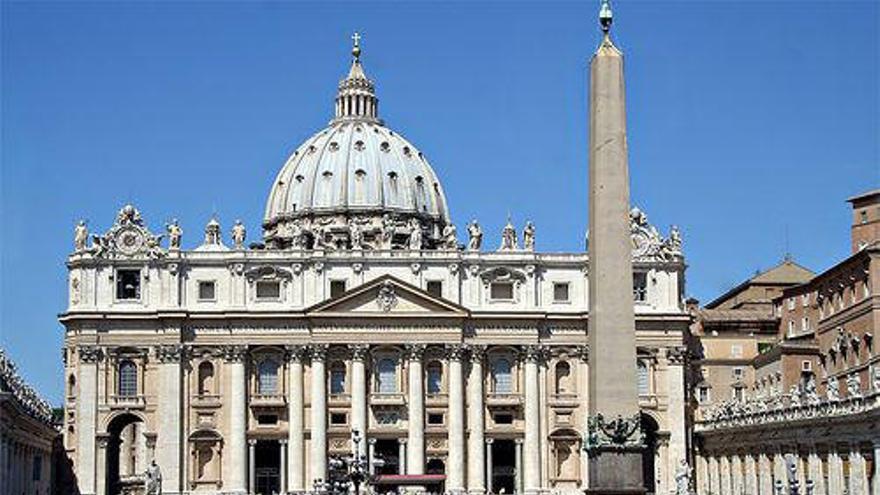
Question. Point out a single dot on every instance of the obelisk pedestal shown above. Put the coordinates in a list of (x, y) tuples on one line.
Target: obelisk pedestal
[(614, 443)]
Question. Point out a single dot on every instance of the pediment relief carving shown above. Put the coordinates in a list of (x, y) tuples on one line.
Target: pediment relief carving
[(268, 272), (502, 274), (387, 296)]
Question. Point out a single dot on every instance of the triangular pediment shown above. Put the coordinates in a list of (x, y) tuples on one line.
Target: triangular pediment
[(387, 296)]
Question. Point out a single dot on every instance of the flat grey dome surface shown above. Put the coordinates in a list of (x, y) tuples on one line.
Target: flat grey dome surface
[(356, 166)]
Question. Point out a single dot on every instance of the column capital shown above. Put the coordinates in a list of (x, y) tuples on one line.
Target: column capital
[(415, 352), (90, 353), (359, 352), (372, 441), (477, 352), (173, 353), (518, 441), (282, 441), (252, 441), (456, 352), (535, 353), (490, 441), (401, 440), (296, 353), (583, 352), (234, 353), (319, 351)]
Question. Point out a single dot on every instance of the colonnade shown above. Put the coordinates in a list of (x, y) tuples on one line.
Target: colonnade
[(469, 450), (833, 470), (24, 466)]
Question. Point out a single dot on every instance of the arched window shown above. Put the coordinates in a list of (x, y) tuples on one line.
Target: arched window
[(337, 378), (387, 376), (435, 378), (127, 379), (642, 377), (563, 378), (502, 380), (71, 386), (268, 377), (206, 378), (360, 176)]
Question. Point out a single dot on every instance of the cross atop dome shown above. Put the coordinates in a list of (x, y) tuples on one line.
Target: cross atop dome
[(356, 98)]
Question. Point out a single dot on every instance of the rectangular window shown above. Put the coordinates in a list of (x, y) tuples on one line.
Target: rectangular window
[(560, 292), (738, 393), (338, 418), (267, 289), (504, 419), (640, 287), (267, 419), (790, 328), (703, 395), (337, 381), (805, 300), (337, 287), (501, 291), (206, 291), (737, 373), (435, 288), (435, 418), (128, 284), (790, 303), (806, 324), (736, 350)]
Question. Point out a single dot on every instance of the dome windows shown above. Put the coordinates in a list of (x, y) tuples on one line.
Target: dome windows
[(299, 179), (385, 147), (407, 152), (312, 149), (359, 145), (334, 146)]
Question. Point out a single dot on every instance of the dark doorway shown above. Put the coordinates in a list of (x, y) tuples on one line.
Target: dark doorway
[(503, 466), (649, 428), (267, 468), (121, 466), (388, 450)]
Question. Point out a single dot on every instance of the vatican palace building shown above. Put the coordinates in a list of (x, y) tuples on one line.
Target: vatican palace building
[(461, 359)]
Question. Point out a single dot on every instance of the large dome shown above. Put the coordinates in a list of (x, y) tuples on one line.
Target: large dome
[(356, 174)]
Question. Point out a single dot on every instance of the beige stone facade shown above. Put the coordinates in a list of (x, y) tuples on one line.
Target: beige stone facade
[(814, 406), (241, 369)]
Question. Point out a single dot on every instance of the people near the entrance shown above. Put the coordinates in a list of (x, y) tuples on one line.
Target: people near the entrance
[(153, 479)]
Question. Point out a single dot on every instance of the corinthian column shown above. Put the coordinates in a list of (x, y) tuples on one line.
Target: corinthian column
[(169, 408), (359, 392), (415, 452), (615, 463), (476, 447), (235, 458), (295, 434), (532, 457), (455, 462), (319, 413), (87, 409)]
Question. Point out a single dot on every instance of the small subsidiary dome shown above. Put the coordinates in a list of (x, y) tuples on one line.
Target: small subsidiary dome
[(355, 184)]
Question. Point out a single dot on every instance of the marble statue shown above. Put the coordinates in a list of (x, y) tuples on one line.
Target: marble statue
[(529, 237), (415, 235), (450, 240), (875, 378), (853, 385), (355, 234), (239, 234), (174, 234), (80, 236), (675, 240), (297, 237), (810, 391), (794, 396), (683, 475), (475, 236), (386, 235), (153, 479), (508, 238), (832, 391)]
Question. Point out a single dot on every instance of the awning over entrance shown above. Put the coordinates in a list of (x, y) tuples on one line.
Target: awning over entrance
[(410, 479)]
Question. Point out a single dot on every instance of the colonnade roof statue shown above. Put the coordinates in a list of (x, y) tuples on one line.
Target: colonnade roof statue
[(355, 174)]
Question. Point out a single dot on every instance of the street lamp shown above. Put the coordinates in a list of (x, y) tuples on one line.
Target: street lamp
[(351, 470)]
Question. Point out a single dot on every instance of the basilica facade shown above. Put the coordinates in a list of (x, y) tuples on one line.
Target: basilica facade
[(241, 367)]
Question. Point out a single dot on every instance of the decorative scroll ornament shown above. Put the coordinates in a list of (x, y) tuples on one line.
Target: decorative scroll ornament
[(618, 434), (386, 298), (127, 238), (647, 243)]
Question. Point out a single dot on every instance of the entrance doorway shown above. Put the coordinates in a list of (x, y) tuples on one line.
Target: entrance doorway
[(649, 428), (267, 467), (388, 449), (503, 466), (126, 453)]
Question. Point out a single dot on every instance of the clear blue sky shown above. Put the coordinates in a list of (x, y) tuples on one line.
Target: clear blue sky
[(749, 123)]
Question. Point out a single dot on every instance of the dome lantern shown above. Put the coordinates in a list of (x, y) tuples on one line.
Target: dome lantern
[(356, 97)]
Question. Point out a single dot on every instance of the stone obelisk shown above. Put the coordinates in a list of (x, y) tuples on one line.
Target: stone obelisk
[(613, 441)]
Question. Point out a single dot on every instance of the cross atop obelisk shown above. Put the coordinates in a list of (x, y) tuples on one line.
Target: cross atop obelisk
[(615, 464)]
